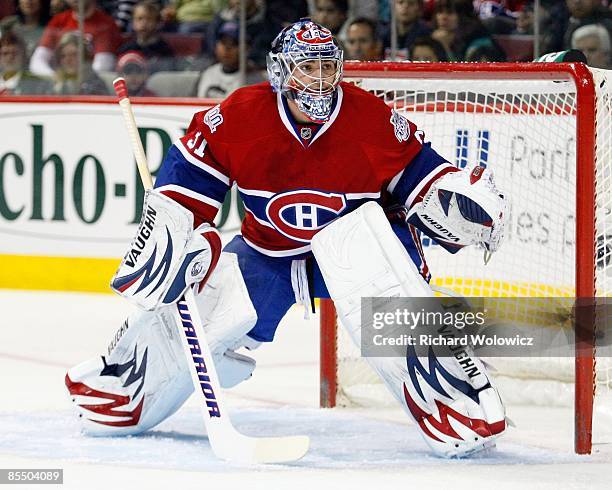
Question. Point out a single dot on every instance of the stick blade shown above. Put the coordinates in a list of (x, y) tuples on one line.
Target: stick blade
[(238, 448), (280, 449)]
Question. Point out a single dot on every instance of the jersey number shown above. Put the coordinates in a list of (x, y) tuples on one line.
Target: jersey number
[(199, 151)]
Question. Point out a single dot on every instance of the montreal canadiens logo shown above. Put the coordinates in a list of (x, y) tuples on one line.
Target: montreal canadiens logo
[(314, 35), (299, 215)]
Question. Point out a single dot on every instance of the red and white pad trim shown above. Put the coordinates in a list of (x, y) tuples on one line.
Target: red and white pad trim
[(421, 189), (204, 208)]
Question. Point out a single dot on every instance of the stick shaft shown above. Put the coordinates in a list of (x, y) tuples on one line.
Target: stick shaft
[(137, 148), (226, 442)]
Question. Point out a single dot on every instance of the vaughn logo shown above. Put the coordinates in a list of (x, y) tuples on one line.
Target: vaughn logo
[(148, 272), (144, 232), (440, 228)]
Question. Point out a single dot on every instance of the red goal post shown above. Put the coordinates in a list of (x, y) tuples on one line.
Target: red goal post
[(474, 78)]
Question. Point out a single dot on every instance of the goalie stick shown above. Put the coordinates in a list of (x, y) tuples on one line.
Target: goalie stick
[(226, 442)]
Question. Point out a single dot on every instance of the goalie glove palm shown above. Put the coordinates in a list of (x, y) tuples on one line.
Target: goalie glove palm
[(463, 208), (167, 255)]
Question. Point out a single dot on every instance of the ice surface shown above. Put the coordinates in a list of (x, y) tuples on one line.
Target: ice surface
[(41, 334)]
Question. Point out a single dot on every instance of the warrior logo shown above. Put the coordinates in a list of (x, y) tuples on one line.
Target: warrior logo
[(300, 214), (213, 118), (400, 125)]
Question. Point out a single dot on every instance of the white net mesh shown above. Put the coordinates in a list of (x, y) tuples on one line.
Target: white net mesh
[(525, 131)]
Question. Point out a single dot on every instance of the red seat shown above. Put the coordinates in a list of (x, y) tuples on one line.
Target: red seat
[(6, 9), (184, 44), (518, 47)]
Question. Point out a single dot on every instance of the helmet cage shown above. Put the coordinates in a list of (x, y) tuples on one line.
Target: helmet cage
[(306, 72)]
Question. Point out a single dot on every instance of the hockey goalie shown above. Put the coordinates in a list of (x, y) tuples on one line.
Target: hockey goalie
[(337, 188)]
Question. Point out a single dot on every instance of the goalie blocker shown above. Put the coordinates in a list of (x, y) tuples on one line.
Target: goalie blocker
[(167, 255)]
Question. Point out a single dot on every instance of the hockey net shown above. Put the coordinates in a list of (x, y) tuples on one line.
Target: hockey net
[(544, 130)]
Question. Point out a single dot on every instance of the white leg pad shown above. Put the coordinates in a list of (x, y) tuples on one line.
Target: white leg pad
[(143, 377), (140, 380), (360, 256), (225, 307)]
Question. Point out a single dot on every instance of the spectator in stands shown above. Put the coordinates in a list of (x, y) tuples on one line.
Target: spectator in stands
[(364, 8), (552, 16), (222, 78), (525, 19), (458, 28), (58, 6), (146, 24), (191, 15), (491, 8), (285, 12), (99, 27), (332, 14), (29, 21), (261, 31), (370, 9), (14, 78), (594, 41), (584, 12), (485, 53), (122, 11), (410, 25), (68, 65), (426, 48), (362, 43), (132, 66), (499, 16)]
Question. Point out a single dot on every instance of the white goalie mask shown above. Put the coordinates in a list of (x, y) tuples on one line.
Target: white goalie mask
[(305, 65)]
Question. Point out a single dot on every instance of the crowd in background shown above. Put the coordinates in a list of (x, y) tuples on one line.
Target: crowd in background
[(191, 47)]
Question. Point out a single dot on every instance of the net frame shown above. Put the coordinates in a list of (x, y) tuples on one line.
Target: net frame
[(585, 229)]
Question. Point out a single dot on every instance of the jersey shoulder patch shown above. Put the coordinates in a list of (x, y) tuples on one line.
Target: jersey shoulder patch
[(400, 126)]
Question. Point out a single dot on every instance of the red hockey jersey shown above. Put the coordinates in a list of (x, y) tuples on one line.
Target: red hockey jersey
[(295, 179)]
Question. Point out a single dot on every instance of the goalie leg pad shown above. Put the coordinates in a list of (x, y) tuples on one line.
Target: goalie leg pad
[(143, 378), (360, 256), (225, 307), (456, 408)]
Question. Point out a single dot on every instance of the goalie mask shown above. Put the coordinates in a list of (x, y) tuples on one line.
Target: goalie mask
[(305, 65)]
